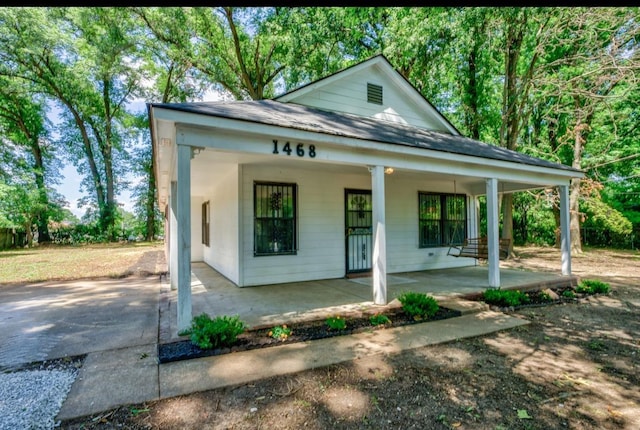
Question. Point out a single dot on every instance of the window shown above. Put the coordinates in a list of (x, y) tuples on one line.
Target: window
[(206, 216), (274, 214), (443, 219)]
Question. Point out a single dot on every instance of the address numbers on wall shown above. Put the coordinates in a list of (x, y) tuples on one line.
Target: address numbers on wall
[(298, 149)]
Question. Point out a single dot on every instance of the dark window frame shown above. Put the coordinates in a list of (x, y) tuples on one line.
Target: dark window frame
[(437, 229), (279, 224), (206, 223)]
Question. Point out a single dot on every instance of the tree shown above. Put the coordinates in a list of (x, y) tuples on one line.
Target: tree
[(526, 32), (594, 62), (215, 42), (22, 123), (82, 59)]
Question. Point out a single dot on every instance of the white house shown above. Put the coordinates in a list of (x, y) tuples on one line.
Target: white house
[(356, 172)]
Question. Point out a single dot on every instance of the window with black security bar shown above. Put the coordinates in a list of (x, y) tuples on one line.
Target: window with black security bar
[(442, 219), (275, 218)]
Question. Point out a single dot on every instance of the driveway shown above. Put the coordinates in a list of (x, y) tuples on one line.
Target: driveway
[(56, 319)]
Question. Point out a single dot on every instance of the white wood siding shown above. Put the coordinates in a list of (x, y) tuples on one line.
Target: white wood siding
[(223, 253), (321, 241), (403, 247), (321, 253), (350, 95)]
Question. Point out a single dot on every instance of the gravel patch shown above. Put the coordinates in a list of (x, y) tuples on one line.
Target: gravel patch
[(31, 399)]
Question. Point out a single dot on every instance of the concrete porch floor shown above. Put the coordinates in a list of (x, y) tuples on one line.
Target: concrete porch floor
[(270, 305)]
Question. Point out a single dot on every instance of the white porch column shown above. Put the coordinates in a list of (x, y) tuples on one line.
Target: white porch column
[(183, 237), (379, 236), (472, 214), (492, 232), (173, 236), (565, 231)]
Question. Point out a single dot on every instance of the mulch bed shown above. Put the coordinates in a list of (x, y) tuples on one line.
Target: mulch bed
[(536, 299), (301, 332)]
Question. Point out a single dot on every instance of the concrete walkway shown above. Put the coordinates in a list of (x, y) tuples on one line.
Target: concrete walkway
[(131, 375), (117, 324)]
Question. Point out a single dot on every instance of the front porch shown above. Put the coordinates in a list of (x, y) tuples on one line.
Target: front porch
[(271, 305)]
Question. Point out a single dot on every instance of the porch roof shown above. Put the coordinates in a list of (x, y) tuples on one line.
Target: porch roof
[(296, 116)]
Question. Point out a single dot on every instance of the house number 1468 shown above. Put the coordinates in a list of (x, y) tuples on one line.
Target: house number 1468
[(299, 151)]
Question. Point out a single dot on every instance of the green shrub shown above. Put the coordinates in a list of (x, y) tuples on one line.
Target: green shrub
[(505, 297), (207, 333), (418, 305), (379, 319), (592, 286), (336, 323), (569, 294)]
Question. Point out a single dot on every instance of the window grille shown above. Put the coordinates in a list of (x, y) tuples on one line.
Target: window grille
[(275, 207), (442, 219)]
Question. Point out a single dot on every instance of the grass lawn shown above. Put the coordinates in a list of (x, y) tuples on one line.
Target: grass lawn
[(66, 262)]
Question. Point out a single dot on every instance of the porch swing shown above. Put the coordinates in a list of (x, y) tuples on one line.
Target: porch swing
[(476, 247)]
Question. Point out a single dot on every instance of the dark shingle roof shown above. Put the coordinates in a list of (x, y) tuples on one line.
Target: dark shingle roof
[(301, 117)]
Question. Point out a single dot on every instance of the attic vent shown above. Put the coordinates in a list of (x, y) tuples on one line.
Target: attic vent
[(374, 93)]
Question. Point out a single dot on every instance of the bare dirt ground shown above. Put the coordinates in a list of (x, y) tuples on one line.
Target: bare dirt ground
[(575, 366)]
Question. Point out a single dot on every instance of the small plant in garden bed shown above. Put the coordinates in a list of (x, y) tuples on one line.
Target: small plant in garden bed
[(280, 332), (545, 297), (336, 323), (379, 319), (505, 297), (208, 333), (568, 294), (418, 305), (592, 286)]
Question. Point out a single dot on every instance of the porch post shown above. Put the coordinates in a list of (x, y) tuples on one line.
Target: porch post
[(565, 231), (492, 232), (379, 241), (166, 215), (173, 236), (183, 237), (473, 216)]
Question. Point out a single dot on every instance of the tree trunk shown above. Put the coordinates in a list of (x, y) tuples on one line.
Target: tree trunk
[(510, 116), (574, 223), (473, 116), (507, 221), (107, 159), (42, 221), (574, 193)]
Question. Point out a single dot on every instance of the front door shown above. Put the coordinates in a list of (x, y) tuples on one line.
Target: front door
[(358, 225)]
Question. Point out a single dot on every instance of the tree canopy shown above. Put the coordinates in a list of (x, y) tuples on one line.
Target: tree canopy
[(556, 83)]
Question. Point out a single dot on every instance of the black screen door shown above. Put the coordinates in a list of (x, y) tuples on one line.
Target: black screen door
[(358, 223)]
